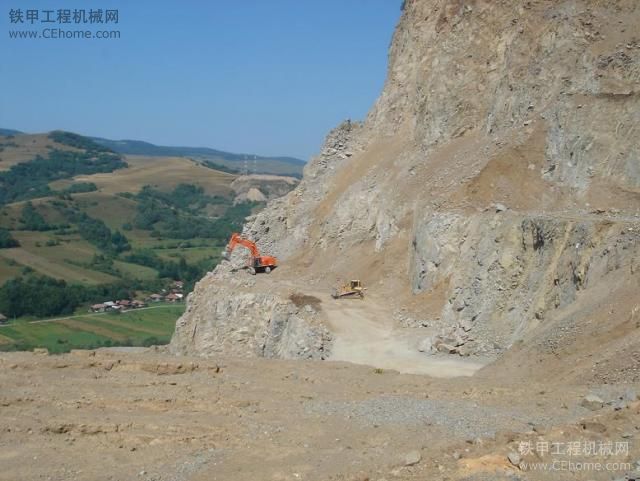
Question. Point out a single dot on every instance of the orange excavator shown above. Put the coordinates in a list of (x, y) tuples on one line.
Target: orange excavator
[(257, 263)]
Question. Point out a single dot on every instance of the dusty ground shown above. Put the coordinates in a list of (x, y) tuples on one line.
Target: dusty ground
[(110, 415), (364, 333)]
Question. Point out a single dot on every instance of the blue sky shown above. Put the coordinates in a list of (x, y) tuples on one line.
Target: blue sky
[(256, 76)]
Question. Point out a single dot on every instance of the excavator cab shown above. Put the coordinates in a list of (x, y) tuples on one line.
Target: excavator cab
[(263, 264)]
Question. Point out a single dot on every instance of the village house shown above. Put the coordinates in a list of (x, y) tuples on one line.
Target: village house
[(155, 297), (174, 297), (98, 308), (3, 319)]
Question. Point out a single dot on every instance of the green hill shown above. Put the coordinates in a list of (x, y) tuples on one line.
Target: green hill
[(263, 165), (84, 220), (226, 161), (139, 147)]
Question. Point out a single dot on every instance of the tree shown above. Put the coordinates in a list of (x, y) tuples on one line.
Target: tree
[(32, 220), (120, 242), (7, 240), (39, 296), (97, 232)]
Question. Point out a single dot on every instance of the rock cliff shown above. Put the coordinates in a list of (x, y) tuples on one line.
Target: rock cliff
[(493, 189)]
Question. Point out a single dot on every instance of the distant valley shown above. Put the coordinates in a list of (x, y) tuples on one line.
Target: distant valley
[(81, 222)]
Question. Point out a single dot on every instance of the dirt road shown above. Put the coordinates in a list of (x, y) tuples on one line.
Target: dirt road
[(364, 334)]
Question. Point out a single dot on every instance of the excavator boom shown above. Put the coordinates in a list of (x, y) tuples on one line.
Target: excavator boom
[(236, 240)]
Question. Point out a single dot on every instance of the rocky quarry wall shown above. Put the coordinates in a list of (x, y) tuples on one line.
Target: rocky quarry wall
[(227, 314), (499, 170)]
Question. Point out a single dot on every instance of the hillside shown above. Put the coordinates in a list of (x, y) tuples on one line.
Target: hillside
[(255, 163), (493, 204), (74, 210), (217, 159)]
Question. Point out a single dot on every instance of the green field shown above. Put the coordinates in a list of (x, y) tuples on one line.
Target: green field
[(142, 327), (55, 261)]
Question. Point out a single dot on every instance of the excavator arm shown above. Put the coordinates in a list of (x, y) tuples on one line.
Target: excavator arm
[(258, 263), (236, 240)]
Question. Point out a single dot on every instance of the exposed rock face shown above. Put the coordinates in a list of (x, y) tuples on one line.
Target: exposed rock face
[(285, 226), (498, 174), (510, 272), (227, 316), (262, 187)]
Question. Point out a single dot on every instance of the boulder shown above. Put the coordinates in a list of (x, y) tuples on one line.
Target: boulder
[(412, 458), (447, 348), (465, 351), (594, 426), (592, 402), (500, 207), (514, 458), (426, 345)]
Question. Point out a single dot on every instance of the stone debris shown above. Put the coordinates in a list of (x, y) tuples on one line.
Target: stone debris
[(405, 320), (412, 458), (592, 402), (500, 207), (453, 340), (514, 458)]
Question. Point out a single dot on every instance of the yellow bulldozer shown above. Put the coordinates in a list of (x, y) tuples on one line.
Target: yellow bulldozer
[(352, 289)]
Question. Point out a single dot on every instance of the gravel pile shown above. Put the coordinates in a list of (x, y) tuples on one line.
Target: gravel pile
[(461, 418)]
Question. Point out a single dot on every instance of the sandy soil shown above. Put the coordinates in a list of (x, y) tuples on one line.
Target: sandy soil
[(114, 415)]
